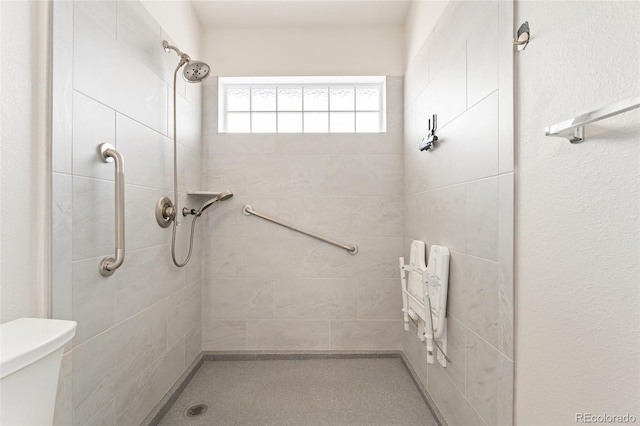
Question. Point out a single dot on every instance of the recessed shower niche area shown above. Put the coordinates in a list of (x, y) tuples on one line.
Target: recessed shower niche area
[(303, 213)]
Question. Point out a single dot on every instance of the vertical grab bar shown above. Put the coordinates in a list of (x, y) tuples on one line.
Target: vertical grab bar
[(108, 154)]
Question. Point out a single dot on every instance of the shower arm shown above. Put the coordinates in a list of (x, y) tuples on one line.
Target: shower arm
[(183, 56)]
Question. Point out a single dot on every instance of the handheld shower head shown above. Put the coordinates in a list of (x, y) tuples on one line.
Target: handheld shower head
[(224, 195)]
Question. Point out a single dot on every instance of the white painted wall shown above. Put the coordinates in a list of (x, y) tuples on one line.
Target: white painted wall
[(421, 19), (578, 232), (304, 51), (22, 87)]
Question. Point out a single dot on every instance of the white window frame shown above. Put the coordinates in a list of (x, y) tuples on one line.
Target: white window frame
[(224, 83)]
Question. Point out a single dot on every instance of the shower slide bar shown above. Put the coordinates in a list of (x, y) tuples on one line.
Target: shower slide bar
[(573, 129), (108, 154), (351, 249)]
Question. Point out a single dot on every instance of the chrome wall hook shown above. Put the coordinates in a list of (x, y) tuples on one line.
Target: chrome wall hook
[(429, 141), (523, 36)]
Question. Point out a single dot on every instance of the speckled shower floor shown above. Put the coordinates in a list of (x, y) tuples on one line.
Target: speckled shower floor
[(367, 391)]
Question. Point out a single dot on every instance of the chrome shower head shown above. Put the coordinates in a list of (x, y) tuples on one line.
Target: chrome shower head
[(224, 195), (194, 71)]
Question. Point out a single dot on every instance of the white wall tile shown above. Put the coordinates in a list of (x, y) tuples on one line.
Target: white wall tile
[(316, 298), (505, 268), (379, 216), (140, 33), (106, 364), (287, 175), (93, 222), (226, 218), (329, 216), (379, 299), (188, 117), (416, 353), (228, 335), (453, 196), (506, 86), (238, 298), (480, 124), (288, 335), (456, 351), (505, 390), (482, 60), (184, 310), (366, 335), (238, 143), (365, 175), (225, 257), (139, 398), (452, 404), (148, 154), (151, 277), (104, 417), (441, 217), (192, 344), (482, 218), (142, 229), (445, 95), (101, 64), (473, 294), (93, 124), (376, 258), (61, 252), (227, 171), (93, 298), (109, 69), (482, 378)]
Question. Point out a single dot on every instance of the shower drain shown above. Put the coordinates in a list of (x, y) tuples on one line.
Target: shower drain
[(196, 410)]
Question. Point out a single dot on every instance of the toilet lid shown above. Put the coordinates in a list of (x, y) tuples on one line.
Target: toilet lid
[(26, 340)]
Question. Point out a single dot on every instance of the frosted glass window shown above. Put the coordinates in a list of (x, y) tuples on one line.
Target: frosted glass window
[(263, 122), (302, 105), (342, 122), (290, 122), (316, 122), (368, 98), (238, 99), (290, 99), (263, 99), (367, 122), (239, 122), (316, 99), (342, 99)]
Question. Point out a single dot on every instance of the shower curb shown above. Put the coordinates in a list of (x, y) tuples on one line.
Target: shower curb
[(164, 405)]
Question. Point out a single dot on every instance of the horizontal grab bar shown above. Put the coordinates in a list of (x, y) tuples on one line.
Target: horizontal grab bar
[(108, 154), (574, 129), (352, 249)]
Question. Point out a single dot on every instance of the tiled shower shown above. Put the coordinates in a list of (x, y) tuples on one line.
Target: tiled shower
[(139, 329), (252, 286)]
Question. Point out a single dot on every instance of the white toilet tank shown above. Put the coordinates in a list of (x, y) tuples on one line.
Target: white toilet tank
[(30, 357)]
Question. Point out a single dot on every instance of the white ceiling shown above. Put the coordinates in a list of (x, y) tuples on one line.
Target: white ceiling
[(299, 13)]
